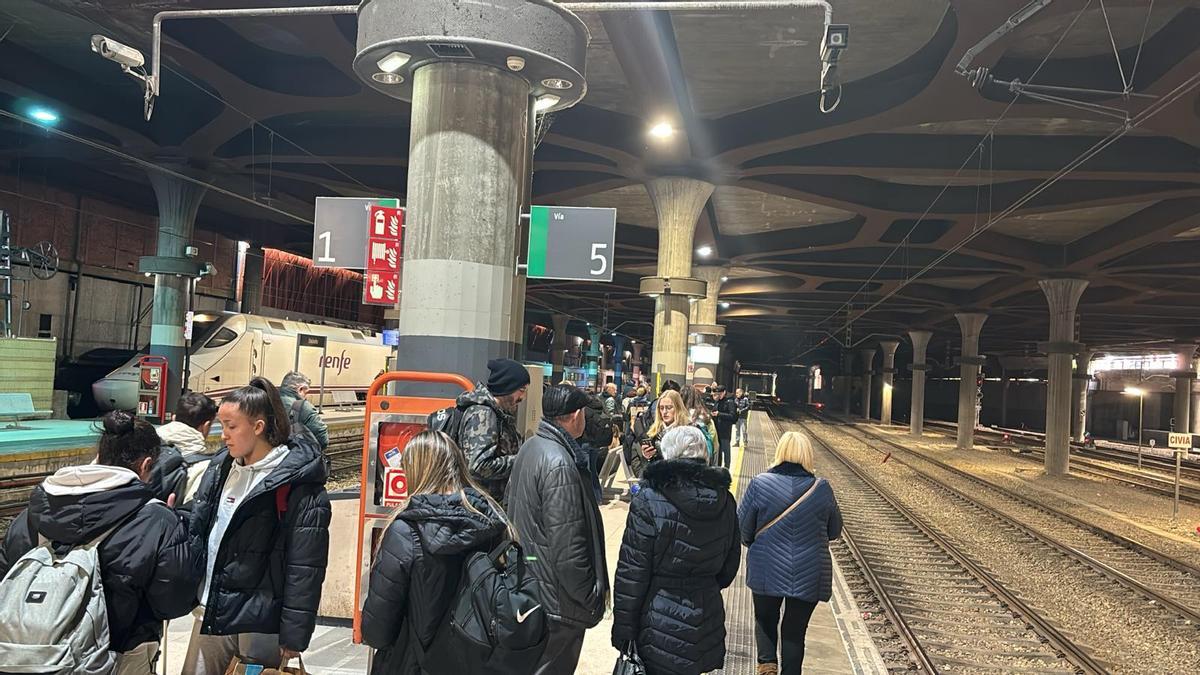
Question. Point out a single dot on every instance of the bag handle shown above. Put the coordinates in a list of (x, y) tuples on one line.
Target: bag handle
[(789, 509)]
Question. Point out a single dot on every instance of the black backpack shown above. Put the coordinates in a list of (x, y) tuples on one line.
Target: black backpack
[(496, 623), (447, 420), (298, 429)]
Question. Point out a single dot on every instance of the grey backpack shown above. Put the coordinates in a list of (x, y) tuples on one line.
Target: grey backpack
[(55, 617)]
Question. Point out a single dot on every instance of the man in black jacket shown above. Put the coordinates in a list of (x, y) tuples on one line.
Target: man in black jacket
[(724, 416), (555, 510), (488, 435)]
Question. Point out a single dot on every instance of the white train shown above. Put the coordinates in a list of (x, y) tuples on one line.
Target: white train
[(228, 349)]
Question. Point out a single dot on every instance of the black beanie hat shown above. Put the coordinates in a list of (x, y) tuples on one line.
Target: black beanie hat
[(506, 376)]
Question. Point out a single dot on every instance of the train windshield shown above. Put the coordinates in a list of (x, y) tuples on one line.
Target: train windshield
[(205, 326)]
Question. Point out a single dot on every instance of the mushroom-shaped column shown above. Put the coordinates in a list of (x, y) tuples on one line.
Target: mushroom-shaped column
[(558, 347), (868, 357), (1080, 382), (1185, 375), (916, 417), (888, 348), (971, 325), (847, 381), (1063, 297), (703, 320)]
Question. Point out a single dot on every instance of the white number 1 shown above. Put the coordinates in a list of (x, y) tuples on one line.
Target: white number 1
[(596, 255), (325, 258)]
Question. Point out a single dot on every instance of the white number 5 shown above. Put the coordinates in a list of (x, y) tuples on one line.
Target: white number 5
[(596, 255)]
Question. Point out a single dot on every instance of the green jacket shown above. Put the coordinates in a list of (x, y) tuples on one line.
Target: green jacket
[(307, 415)]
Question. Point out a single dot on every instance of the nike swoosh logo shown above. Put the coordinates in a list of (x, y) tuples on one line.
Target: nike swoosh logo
[(521, 616)]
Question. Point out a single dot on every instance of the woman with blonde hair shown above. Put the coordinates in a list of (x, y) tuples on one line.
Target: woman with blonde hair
[(787, 517), (669, 412), (445, 519)]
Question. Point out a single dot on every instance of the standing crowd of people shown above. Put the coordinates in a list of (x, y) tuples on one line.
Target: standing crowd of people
[(495, 562)]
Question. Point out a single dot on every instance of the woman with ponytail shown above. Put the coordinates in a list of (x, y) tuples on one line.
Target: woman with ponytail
[(259, 537), (446, 518)]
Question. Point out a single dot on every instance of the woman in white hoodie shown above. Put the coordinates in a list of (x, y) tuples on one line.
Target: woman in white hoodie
[(259, 536)]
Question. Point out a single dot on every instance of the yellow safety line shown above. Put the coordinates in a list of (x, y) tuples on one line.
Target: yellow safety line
[(739, 453)]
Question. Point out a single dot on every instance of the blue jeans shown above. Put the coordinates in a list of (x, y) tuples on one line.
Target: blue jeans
[(741, 430)]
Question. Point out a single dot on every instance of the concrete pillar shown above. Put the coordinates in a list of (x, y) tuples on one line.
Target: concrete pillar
[(1004, 383), (888, 349), (252, 281), (678, 203), (847, 380), (703, 312), (558, 347), (971, 325), (517, 323), (868, 358), (1079, 394), (619, 362), (811, 371), (467, 166), (1185, 375), (1063, 297), (178, 201), (916, 418), (595, 355)]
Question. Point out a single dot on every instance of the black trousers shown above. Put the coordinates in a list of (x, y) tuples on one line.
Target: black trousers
[(724, 454), (768, 633), (562, 650)]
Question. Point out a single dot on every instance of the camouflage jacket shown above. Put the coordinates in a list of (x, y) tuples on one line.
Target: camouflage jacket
[(489, 439)]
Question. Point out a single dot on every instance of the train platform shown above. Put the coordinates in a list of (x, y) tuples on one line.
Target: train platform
[(838, 641)]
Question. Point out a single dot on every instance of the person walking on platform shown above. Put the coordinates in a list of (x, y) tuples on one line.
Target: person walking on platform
[(787, 517), (488, 433), (670, 412), (293, 390), (743, 411), (259, 537), (141, 543), (182, 462), (446, 518), (680, 549), (556, 514), (725, 415)]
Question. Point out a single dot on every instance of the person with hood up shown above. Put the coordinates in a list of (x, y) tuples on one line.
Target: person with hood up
[(259, 537), (488, 433), (418, 565), (144, 562), (185, 457), (556, 514), (680, 549), (787, 517)]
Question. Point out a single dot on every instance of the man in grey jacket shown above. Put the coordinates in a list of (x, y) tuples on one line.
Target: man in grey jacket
[(555, 510), (294, 390)]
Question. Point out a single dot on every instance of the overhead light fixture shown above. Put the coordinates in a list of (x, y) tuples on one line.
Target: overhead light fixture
[(614, 333), (393, 62), (387, 78), (515, 63), (704, 251), (43, 115), (1134, 391), (662, 130), (724, 279), (724, 305), (557, 83), (545, 102)]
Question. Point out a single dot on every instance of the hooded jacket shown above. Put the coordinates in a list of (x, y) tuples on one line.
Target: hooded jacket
[(412, 585), (193, 458), (555, 512), (268, 568), (791, 558), (143, 564), (680, 549), (489, 438)]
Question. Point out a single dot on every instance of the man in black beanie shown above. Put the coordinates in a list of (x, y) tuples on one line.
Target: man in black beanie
[(488, 435), (552, 505)]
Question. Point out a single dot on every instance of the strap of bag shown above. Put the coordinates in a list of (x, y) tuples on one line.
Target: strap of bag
[(789, 509)]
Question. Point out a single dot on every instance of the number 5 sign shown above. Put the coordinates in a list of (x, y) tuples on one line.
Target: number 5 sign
[(567, 242)]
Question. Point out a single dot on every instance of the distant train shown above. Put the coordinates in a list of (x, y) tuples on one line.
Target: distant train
[(228, 349)]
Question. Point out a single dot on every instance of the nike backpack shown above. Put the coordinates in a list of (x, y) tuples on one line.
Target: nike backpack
[(495, 624)]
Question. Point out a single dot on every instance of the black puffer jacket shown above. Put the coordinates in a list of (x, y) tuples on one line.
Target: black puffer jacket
[(725, 415), (556, 515), (144, 564), (489, 438), (168, 476), (412, 587), (680, 549), (271, 564)]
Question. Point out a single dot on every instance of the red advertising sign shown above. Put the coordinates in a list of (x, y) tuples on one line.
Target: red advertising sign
[(381, 279), (395, 487)]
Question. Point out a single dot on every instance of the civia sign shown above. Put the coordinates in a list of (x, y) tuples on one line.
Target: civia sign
[(341, 362)]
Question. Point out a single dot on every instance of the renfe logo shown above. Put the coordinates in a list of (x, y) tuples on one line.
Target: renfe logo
[(340, 362)]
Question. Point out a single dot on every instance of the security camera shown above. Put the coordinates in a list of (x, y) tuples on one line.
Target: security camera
[(124, 55), (837, 38)]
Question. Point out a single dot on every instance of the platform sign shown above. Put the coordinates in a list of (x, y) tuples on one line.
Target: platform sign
[(340, 230), (1175, 440), (381, 280), (574, 243)]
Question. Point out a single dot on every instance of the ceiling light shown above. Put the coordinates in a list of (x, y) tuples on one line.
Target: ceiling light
[(724, 305), (393, 62), (387, 78), (43, 115), (515, 63), (614, 334), (662, 130), (724, 279), (557, 83), (545, 102), (704, 251)]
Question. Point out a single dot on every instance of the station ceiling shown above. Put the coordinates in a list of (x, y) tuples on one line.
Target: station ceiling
[(883, 211)]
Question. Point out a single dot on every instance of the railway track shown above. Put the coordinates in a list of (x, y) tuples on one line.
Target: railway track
[(950, 613)]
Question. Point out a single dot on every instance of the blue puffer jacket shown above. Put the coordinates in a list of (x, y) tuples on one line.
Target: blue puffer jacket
[(791, 559)]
